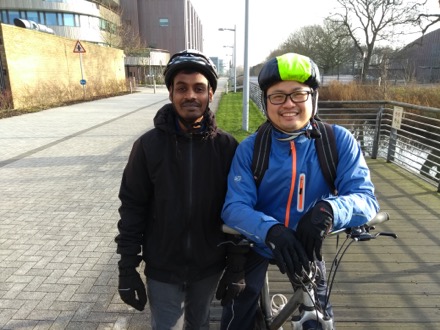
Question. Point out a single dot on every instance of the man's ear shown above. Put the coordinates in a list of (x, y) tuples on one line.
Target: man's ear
[(170, 94), (211, 94)]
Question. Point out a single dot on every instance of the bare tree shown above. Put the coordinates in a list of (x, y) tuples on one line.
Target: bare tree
[(124, 37), (428, 20), (326, 45), (300, 41), (334, 49), (131, 41), (368, 22)]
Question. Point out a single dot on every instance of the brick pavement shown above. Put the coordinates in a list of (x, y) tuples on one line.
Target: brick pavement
[(59, 176), (60, 171)]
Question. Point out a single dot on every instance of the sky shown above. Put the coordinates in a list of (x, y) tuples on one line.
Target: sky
[(270, 24)]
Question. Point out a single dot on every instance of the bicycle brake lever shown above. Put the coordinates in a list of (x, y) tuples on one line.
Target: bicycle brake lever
[(384, 233), (364, 237), (367, 236)]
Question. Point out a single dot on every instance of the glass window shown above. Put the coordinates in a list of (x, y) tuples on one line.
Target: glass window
[(51, 19), (110, 27), (11, 15), (91, 22), (102, 24), (32, 16), (163, 21), (42, 20), (77, 21), (4, 17), (69, 20)]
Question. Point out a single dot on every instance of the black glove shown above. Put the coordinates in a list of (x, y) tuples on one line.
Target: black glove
[(232, 282), (287, 250), (313, 227), (131, 288)]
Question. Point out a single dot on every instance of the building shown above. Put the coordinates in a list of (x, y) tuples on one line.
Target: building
[(419, 61), (147, 69), (94, 21), (219, 64), (162, 26), (171, 25), (165, 24)]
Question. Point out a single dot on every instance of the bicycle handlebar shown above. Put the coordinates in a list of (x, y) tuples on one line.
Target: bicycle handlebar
[(378, 219), (228, 230)]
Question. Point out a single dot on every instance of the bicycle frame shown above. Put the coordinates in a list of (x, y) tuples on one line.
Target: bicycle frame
[(303, 297)]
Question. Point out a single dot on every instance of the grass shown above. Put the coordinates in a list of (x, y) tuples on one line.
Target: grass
[(229, 116)]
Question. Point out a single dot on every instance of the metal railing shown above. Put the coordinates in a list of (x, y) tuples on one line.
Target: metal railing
[(404, 134)]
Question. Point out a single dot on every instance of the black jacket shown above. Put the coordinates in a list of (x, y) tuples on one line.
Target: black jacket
[(172, 193)]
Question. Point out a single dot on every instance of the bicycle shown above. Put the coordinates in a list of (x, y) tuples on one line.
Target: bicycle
[(303, 306)]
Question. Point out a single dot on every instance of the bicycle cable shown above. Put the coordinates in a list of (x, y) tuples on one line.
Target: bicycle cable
[(334, 268)]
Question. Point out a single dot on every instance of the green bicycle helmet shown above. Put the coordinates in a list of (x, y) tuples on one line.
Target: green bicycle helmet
[(289, 66), (191, 59)]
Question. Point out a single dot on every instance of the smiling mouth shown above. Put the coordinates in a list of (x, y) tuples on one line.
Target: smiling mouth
[(289, 114)]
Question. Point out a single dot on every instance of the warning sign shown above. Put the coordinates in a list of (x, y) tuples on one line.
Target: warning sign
[(78, 48)]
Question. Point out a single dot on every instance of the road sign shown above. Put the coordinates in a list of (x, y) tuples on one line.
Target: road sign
[(79, 48), (83, 82)]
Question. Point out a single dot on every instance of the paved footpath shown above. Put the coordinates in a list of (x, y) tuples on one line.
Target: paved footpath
[(60, 171)]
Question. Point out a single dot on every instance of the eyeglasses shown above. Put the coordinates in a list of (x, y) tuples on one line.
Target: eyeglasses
[(296, 97)]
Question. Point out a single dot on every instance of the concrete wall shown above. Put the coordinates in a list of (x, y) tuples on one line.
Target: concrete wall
[(42, 69)]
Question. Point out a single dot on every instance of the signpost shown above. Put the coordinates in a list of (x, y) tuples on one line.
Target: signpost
[(79, 49), (397, 117), (395, 126)]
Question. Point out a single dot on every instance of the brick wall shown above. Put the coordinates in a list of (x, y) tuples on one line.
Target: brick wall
[(41, 69)]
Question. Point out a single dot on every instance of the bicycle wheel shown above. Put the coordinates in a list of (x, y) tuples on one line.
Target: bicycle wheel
[(311, 325)]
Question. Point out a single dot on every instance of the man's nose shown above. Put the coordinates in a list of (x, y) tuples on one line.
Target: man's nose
[(190, 94), (289, 102)]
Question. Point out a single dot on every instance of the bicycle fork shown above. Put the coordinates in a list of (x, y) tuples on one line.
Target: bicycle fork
[(309, 312)]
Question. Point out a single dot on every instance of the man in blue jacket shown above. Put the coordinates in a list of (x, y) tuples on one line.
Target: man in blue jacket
[(289, 214)]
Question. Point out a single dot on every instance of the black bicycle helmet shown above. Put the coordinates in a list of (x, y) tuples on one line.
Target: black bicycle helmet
[(289, 66), (191, 59)]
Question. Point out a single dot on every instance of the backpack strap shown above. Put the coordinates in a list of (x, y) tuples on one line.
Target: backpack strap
[(327, 153), (260, 159), (325, 147)]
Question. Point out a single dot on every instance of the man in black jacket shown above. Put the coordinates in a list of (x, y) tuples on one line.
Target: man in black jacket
[(172, 193)]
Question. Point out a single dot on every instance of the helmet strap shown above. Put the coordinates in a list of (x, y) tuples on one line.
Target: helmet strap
[(314, 132)]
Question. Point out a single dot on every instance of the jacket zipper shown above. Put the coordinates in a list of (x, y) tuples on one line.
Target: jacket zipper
[(301, 192), (190, 202), (292, 184)]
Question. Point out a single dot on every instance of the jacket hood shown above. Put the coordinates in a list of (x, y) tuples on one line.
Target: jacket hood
[(166, 120)]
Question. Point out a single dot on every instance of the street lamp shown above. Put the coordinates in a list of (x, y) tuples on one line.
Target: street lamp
[(235, 54), (245, 120)]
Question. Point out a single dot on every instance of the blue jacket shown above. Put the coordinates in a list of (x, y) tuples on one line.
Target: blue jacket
[(253, 211)]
